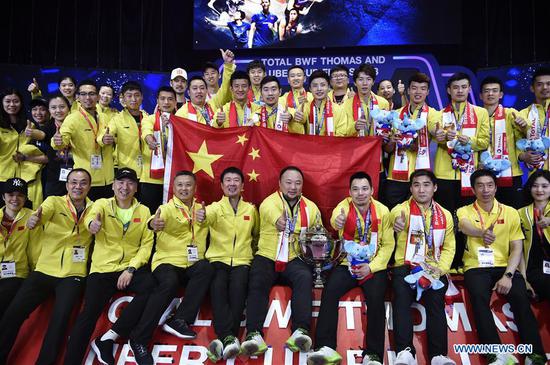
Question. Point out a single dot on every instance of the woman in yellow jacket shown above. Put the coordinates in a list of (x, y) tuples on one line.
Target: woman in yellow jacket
[(61, 267), (234, 227), (535, 222), (17, 255), (119, 262)]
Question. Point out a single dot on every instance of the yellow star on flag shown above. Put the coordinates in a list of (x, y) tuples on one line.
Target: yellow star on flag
[(241, 139), (202, 160), (255, 153), (253, 176)]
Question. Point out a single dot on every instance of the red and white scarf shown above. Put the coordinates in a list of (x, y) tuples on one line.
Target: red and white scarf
[(192, 113), (251, 96), (467, 127), (278, 125), (536, 131), (234, 115), (290, 228), (327, 116), (417, 247), (499, 144), (157, 155), (358, 111), (400, 169)]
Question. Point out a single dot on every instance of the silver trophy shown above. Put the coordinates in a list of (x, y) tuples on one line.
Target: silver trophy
[(317, 248)]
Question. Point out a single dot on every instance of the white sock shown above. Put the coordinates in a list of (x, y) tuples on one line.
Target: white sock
[(109, 335)]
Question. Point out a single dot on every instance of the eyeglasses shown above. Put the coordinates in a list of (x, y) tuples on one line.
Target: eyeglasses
[(339, 76), (90, 94)]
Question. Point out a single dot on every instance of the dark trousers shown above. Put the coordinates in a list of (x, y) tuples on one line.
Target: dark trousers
[(100, 287), (396, 192), (339, 283), (436, 321), (196, 280), (448, 195), (8, 290), (228, 296), (479, 283), (34, 291), (513, 195), (98, 192), (151, 195), (540, 283), (262, 278), (381, 193)]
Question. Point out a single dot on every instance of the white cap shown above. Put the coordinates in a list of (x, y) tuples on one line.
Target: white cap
[(178, 72)]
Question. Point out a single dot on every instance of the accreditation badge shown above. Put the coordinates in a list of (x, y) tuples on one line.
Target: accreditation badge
[(192, 253), (546, 267), (485, 257), (79, 254), (7, 269), (96, 162), (63, 173)]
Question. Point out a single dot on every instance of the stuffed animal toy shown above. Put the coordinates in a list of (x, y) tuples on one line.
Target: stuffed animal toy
[(496, 165), (421, 279), (539, 146), (384, 120), (357, 253), (408, 130), (460, 154)]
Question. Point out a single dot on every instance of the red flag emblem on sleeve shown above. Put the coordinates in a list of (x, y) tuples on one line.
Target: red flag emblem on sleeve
[(327, 162)]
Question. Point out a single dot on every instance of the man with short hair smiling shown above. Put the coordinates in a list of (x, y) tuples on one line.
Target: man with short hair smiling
[(238, 112), (339, 82), (283, 216), (256, 72), (178, 82), (494, 249), (360, 220), (297, 95), (234, 226), (198, 109), (58, 225), (537, 116), (80, 131), (421, 218), (119, 262), (321, 116), (211, 75)]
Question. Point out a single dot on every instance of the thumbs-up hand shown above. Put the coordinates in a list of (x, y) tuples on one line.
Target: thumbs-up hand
[(28, 129), (520, 122), (108, 139), (340, 220), (451, 132), (400, 88), (95, 225), (488, 235), (361, 123), (302, 99), (35, 218), (220, 117), (157, 224), (228, 56), (57, 139), (299, 115), (399, 223), (285, 115), (200, 214), (33, 87), (543, 221), (281, 222), (439, 133)]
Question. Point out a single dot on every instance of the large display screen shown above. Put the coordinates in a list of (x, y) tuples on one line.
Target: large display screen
[(324, 23)]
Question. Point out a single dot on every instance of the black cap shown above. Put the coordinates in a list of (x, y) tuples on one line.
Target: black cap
[(39, 101), (15, 184), (126, 173)]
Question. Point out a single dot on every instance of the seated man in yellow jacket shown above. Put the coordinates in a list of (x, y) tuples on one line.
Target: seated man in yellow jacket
[(61, 267), (16, 252), (283, 216), (425, 237), (360, 220), (233, 225), (179, 258), (119, 262)]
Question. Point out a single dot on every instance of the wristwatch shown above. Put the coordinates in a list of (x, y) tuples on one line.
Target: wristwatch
[(509, 274), (131, 269)]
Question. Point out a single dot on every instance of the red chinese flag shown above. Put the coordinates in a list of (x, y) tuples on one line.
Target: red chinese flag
[(261, 153)]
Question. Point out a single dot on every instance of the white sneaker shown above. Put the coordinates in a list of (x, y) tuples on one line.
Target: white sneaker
[(370, 360), (505, 359), (299, 341), (325, 355), (405, 357), (442, 360), (231, 347), (254, 344), (214, 351)]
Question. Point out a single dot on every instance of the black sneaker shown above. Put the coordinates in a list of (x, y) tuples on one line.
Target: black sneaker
[(104, 351), (179, 328), (141, 353)]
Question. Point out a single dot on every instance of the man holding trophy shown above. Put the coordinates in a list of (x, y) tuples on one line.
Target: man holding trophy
[(284, 215), (425, 251), (365, 226)]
